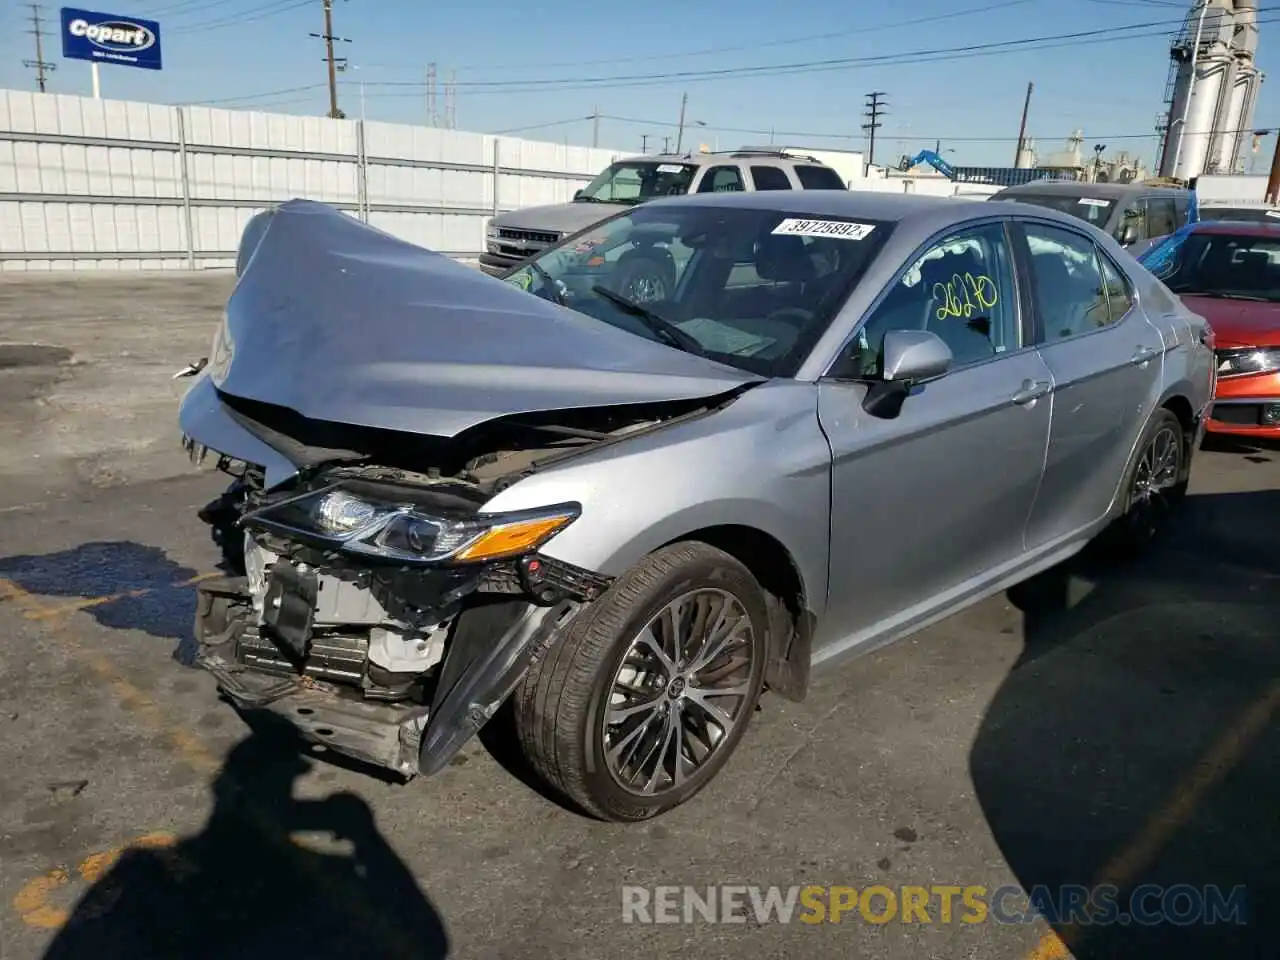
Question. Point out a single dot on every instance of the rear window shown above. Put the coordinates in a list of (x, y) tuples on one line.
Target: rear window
[(819, 178)]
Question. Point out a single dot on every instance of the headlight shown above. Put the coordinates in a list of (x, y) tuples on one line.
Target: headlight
[(221, 351), (1246, 360), (378, 524), (490, 229)]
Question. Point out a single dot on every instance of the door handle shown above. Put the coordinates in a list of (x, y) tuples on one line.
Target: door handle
[(1031, 390), (1141, 355)]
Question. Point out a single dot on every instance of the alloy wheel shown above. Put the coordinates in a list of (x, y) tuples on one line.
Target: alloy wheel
[(679, 690), (1155, 475)]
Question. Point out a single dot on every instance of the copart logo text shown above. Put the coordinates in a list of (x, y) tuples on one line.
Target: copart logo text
[(117, 36)]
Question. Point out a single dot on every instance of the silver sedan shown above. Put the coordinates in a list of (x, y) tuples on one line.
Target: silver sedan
[(680, 459)]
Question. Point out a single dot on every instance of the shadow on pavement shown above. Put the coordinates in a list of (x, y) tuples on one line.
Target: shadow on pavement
[(242, 888), (1135, 741), (161, 606)]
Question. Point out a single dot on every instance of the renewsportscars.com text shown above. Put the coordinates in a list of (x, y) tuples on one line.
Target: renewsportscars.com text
[(1147, 905)]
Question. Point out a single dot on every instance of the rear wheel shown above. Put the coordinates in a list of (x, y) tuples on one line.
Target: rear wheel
[(638, 706), (1155, 484)]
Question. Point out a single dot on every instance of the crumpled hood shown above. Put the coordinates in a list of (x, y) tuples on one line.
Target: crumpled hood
[(341, 322), (565, 218), (1238, 323)]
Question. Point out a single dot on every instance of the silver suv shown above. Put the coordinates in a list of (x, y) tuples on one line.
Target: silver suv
[(513, 237)]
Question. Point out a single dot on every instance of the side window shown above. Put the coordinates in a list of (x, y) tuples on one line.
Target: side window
[(961, 289), (721, 180), (818, 178), (1135, 217), (1071, 298), (1161, 217), (1119, 291), (1180, 209), (770, 178)]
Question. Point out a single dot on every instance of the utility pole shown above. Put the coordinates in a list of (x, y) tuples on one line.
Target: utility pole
[(684, 102), (1022, 127), (595, 126), (875, 110), (328, 39), (666, 144), (39, 64), (451, 101), (644, 143), (1273, 181), (433, 117)]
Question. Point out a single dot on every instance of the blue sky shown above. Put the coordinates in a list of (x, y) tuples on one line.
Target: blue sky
[(225, 49)]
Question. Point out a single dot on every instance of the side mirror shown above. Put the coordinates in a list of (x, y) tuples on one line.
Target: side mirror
[(908, 358), (1128, 234), (577, 195)]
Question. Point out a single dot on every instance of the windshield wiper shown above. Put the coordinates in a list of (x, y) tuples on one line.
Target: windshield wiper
[(548, 281), (661, 327)]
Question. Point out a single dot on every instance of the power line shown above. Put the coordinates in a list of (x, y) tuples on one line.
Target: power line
[(246, 16), (813, 66), (935, 55), (739, 48), (39, 64)]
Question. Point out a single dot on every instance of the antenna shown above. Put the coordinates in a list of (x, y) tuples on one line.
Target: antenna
[(39, 64)]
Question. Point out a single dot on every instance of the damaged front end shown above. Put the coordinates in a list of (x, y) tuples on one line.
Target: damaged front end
[(383, 619), (379, 608)]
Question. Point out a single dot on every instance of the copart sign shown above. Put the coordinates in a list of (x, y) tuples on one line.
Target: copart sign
[(110, 38)]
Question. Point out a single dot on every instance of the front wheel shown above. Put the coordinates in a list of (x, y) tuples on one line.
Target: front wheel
[(638, 706)]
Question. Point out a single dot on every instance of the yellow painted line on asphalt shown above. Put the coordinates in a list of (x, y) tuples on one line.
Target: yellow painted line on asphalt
[(1125, 867), (32, 901)]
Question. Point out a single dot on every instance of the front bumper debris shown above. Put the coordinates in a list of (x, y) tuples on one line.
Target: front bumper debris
[(493, 644)]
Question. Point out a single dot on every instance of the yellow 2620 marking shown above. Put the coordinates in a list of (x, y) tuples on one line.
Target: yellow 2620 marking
[(964, 294)]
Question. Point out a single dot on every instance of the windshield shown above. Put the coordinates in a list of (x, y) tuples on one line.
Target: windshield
[(1235, 266), (1089, 209), (754, 289), (633, 181)]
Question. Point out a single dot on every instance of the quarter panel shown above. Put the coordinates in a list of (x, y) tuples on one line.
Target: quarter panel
[(761, 462)]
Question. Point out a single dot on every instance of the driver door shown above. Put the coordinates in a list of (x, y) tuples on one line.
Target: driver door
[(929, 504)]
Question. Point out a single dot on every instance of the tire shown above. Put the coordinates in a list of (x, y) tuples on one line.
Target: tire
[(561, 704), (1144, 517)]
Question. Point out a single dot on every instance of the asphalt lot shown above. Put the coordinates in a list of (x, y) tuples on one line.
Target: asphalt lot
[(1115, 724)]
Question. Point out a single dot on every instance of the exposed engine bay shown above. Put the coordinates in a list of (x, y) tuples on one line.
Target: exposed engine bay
[(370, 598)]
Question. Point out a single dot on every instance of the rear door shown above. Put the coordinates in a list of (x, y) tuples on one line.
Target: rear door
[(1106, 362)]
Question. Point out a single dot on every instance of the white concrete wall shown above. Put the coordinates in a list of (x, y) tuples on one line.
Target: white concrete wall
[(98, 184)]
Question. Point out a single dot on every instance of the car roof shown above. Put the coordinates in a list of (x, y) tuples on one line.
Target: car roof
[(724, 156), (869, 204), (1075, 188), (919, 214)]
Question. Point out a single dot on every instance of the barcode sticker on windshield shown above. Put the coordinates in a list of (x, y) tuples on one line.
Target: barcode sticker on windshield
[(669, 168), (843, 229), (1090, 202)]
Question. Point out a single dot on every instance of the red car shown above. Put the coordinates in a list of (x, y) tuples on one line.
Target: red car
[(1229, 273)]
